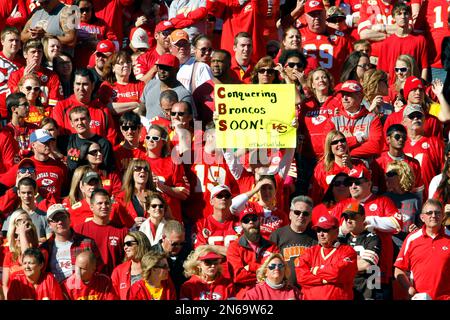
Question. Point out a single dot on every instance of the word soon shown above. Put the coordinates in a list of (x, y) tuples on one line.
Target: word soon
[(241, 125)]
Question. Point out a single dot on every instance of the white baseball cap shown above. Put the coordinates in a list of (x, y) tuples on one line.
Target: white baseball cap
[(139, 38)]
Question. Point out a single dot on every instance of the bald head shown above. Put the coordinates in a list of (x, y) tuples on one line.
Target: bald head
[(85, 265)]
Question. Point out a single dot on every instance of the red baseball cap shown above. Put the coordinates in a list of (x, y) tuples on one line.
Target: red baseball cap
[(350, 86), (169, 60), (314, 5), (247, 211), (411, 83), (326, 222), (164, 25), (360, 172), (106, 46)]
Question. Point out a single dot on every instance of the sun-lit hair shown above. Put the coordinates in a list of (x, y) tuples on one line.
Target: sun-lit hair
[(75, 194), (149, 260), (143, 244), (310, 79), (370, 82), (191, 265), (128, 184), (328, 155), (13, 239), (412, 68), (261, 272), (405, 174)]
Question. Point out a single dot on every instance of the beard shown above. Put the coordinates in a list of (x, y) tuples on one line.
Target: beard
[(252, 234)]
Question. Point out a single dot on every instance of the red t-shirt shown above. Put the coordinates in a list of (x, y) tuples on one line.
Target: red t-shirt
[(123, 156), (196, 289), (47, 288), (145, 62), (99, 288)]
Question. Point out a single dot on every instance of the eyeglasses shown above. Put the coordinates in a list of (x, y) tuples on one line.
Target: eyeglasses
[(293, 65), (401, 70), (336, 19), (391, 174), (101, 55), (274, 266), (154, 138), (27, 169), (166, 33), (430, 212), (268, 71), (140, 168), (364, 66), (95, 152), (211, 262), (85, 10), (415, 115), (299, 212), (25, 104), (357, 182), (126, 128), (335, 142), (35, 89), (179, 113), (58, 218), (249, 218), (176, 244), (130, 243), (223, 196), (154, 206), (164, 67), (205, 50), (398, 136), (162, 266), (339, 183)]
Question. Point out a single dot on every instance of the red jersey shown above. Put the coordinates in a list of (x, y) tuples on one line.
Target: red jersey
[(196, 289), (331, 48), (210, 231), (429, 152), (13, 13), (130, 92), (7, 67), (109, 241), (239, 74), (47, 288), (51, 89), (379, 206), (432, 20), (171, 175), (123, 156), (428, 260), (413, 44), (327, 273), (9, 154), (375, 12), (110, 11), (22, 136), (141, 291), (99, 288), (145, 62)]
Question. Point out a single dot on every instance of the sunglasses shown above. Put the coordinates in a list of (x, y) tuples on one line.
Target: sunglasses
[(154, 206), (364, 66), (357, 182), (211, 262), (335, 142), (415, 115), (130, 243), (274, 266), (35, 89), (101, 55), (402, 69), (177, 244), (299, 212), (223, 196), (140, 168), (162, 266), (268, 71), (398, 136), (391, 174), (180, 113), (95, 152), (430, 212), (249, 218), (293, 65), (336, 19), (126, 128), (154, 138), (27, 169), (58, 218), (85, 10), (166, 33), (205, 50)]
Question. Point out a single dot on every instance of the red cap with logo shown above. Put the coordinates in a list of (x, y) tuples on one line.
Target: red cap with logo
[(314, 5), (169, 60), (106, 46), (164, 25), (326, 222), (360, 172), (350, 86), (411, 83)]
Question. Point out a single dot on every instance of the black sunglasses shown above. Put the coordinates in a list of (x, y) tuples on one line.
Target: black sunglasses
[(126, 128), (398, 136), (391, 174), (266, 70), (223, 196), (300, 212), (357, 182), (179, 113), (27, 169), (211, 262), (140, 168), (35, 89), (402, 69), (85, 10), (130, 243), (154, 206), (336, 19), (249, 218), (430, 212), (274, 266), (415, 115), (205, 50), (335, 142), (95, 152), (294, 64)]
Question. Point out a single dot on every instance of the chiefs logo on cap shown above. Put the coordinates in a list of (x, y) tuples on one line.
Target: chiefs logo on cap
[(167, 24), (103, 46), (313, 4), (353, 171), (352, 86), (323, 219)]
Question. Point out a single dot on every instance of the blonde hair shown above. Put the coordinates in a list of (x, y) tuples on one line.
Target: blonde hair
[(406, 175), (13, 245), (128, 179), (191, 265), (310, 80), (370, 82), (75, 194), (328, 155), (261, 272), (143, 244), (149, 260), (412, 66)]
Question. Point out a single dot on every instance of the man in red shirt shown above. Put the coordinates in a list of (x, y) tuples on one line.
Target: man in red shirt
[(109, 239), (382, 216), (51, 90), (248, 253), (403, 41), (329, 46), (242, 64), (424, 254), (146, 62), (326, 271)]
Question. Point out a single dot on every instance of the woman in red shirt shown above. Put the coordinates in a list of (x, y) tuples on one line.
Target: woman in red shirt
[(136, 244), (206, 281), (30, 85)]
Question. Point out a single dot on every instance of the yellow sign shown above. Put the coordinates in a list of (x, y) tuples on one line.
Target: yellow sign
[(255, 115)]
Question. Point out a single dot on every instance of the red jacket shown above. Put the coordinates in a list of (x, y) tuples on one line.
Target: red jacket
[(333, 277), (139, 291), (262, 291), (240, 255), (196, 289), (121, 279), (47, 288)]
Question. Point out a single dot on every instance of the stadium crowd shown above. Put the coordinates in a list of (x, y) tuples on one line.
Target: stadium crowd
[(112, 186)]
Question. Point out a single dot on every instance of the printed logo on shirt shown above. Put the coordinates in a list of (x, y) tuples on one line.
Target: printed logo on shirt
[(425, 145), (318, 120), (373, 207), (206, 233), (44, 78), (206, 295), (113, 241), (248, 8), (444, 248)]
